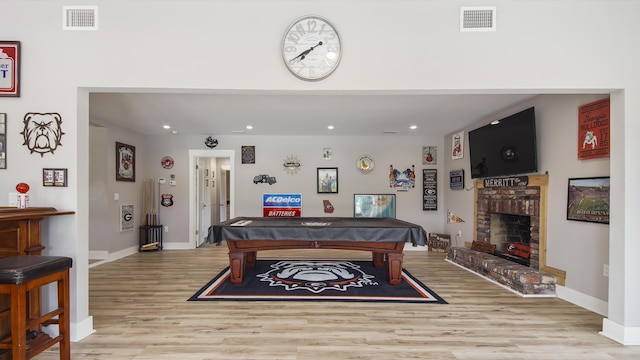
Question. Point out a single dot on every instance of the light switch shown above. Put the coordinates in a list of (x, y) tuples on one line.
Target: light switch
[(116, 196)]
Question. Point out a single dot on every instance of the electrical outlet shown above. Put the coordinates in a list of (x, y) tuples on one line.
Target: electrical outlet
[(460, 233), (605, 270)]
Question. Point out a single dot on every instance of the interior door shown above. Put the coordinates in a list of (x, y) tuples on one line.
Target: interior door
[(204, 185), (222, 195)]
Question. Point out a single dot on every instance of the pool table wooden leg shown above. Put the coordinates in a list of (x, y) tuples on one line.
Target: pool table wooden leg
[(250, 259), (236, 267), (378, 260), (394, 265)]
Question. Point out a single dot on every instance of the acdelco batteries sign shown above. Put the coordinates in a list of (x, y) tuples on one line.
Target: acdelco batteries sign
[(281, 205)]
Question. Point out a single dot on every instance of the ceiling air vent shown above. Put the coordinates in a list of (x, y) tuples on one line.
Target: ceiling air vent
[(79, 18), (478, 18)]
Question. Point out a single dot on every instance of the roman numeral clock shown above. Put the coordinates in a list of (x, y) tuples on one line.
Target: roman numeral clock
[(311, 48)]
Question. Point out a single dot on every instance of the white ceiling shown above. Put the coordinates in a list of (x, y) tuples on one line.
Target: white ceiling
[(296, 113)]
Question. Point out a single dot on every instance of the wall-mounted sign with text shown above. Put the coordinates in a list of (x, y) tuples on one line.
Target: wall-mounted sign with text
[(511, 181), (429, 189), (282, 205)]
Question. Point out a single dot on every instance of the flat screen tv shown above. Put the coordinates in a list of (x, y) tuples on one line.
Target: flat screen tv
[(505, 147)]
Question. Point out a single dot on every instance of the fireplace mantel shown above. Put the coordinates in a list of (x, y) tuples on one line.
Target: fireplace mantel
[(505, 197)]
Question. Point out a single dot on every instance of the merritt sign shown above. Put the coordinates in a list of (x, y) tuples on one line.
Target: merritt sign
[(511, 181)]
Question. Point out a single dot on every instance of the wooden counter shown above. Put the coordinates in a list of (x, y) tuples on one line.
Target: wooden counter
[(20, 229), (20, 234)]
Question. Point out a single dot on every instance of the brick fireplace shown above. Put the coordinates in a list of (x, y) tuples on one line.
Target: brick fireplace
[(498, 202)]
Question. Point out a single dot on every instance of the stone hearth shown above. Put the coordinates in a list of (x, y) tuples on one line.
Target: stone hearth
[(522, 279)]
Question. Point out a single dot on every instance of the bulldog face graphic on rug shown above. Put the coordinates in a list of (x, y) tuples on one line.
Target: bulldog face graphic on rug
[(315, 272), (316, 276), (42, 132)]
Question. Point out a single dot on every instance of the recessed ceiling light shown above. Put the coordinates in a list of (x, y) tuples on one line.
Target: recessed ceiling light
[(495, 122), (174, 132), (413, 127), (330, 127), (249, 127), (166, 127)]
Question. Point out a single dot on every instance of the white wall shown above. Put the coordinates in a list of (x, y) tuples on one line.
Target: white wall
[(99, 193), (404, 46), (105, 238), (271, 152)]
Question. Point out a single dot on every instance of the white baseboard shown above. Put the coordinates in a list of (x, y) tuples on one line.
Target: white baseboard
[(176, 246), (410, 247), (619, 333), (115, 256), (82, 329), (584, 301)]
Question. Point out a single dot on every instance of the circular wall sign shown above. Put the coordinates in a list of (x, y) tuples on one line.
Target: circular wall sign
[(167, 162), (365, 164)]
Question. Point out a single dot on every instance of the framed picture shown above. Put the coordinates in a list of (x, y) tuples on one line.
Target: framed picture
[(374, 205), (248, 154), (54, 177), (3, 144), (429, 155), (457, 146), (125, 162), (126, 217), (10, 66), (327, 180), (588, 199), (326, 153)]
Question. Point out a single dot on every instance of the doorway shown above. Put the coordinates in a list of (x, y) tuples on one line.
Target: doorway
[(216, 179)]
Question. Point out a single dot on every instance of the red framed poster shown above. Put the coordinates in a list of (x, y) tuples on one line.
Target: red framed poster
[(593, 130), (9, 68)]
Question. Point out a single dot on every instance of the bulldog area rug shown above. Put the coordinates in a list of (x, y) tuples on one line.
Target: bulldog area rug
[(328, 280)]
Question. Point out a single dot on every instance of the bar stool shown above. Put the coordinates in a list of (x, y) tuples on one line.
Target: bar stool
[(18, 276)]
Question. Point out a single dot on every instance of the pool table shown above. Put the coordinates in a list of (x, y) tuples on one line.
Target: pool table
[(384, 237)]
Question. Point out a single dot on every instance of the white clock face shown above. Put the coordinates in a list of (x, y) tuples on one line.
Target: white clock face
[(311, 48)]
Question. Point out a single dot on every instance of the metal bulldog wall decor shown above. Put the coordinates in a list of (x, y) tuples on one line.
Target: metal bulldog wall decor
[(42, 132)]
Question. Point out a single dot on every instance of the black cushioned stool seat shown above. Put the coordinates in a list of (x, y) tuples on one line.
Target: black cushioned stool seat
[(18, 276)]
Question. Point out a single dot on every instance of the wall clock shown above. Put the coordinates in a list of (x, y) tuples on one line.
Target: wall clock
[(311, 48)]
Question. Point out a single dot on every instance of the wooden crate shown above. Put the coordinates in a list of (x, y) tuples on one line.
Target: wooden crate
[(438, 242)]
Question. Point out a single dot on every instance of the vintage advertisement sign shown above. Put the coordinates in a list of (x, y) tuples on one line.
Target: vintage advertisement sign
[(282, 205), (9, 68), (593, 130)]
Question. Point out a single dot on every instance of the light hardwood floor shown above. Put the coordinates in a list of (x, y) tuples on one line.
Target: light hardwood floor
[(140, 311)]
